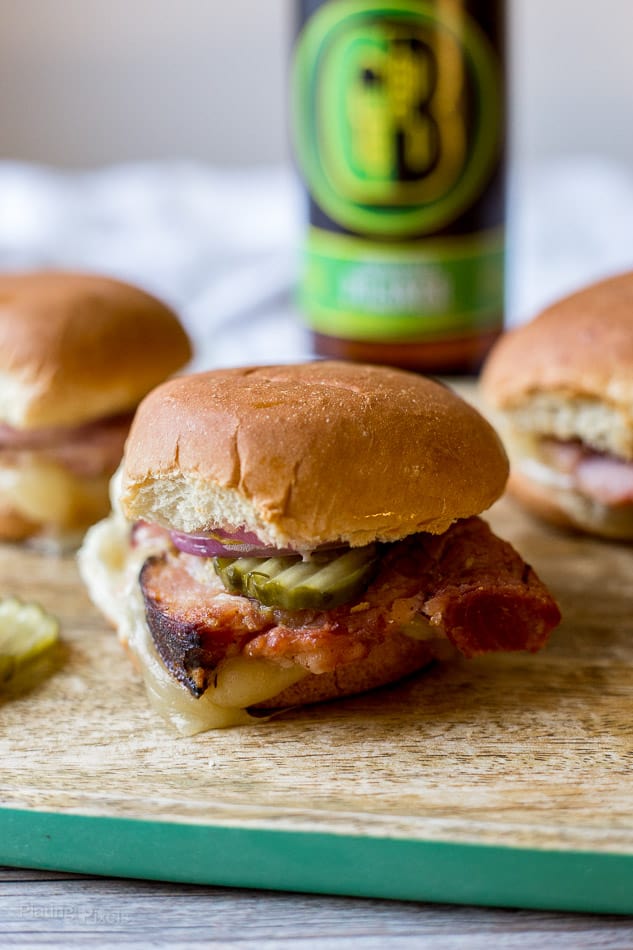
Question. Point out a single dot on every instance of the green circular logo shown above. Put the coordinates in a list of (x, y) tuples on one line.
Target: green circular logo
[(396, 114)]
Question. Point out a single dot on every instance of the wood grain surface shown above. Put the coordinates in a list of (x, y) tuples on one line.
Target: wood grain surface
[(48, 909), (515, 749)]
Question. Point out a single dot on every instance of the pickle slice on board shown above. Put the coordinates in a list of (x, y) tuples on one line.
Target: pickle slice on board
[(26, 631), (322, 582)]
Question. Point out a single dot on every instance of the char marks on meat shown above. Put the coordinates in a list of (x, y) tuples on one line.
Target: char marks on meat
[(192, 631), (470, 586)]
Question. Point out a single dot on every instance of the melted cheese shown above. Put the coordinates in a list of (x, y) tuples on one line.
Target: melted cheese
[(439, 645), (103, 565), (47, 493), (240, 683), (420, 629), (110, 569)]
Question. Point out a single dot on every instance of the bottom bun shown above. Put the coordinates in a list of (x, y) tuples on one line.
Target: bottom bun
[(567, 508), (387, 662)]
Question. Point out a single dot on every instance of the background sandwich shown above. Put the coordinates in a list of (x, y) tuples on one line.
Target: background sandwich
[(77, 353), (561, 390), (294, 533)]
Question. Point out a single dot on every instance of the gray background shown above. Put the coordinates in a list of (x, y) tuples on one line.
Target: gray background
[(84, 82)]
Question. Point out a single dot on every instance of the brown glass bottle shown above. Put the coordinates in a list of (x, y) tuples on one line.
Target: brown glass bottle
[(398, 118)]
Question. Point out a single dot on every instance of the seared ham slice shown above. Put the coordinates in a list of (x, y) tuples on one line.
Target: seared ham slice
[(599, 475), (91, 449)]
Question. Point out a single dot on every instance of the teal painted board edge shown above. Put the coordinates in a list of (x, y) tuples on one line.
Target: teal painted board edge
[(401, 869)]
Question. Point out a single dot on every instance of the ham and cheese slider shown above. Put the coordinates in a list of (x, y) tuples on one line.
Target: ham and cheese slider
[(77, 354), (290, 534), (560, 389)]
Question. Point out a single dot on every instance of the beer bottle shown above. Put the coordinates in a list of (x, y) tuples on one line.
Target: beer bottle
[(398, 124)]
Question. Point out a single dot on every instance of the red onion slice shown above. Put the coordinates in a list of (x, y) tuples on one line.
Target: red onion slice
[(239, 543), (220, 543)]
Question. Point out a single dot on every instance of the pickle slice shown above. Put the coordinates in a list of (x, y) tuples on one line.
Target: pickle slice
[(26, 631), (322, 582)]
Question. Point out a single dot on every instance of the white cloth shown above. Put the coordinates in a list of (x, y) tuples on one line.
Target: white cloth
[(222, 246)]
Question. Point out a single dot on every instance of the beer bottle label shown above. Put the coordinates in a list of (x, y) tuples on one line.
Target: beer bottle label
[(398, 127)]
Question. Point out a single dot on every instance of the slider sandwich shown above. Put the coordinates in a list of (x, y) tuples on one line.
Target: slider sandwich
[(560, 390), (289, 534), (77, 354)]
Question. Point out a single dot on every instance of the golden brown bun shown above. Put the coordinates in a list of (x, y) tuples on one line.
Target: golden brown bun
[(310, 453), (387, 662), (76, 347), (581, 346), (568, 376)]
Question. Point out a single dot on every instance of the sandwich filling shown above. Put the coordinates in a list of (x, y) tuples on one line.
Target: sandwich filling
[(59, 475), (466, 587), (210, 658), (594, 487), (94, 448), (598, 475), (579, 446)]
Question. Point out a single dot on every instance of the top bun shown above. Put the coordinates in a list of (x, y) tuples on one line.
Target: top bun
[(583, 345), (569, 372), (76, 347), (306, 454)]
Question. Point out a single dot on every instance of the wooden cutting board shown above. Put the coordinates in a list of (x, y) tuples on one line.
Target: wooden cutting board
[(506, 780)]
